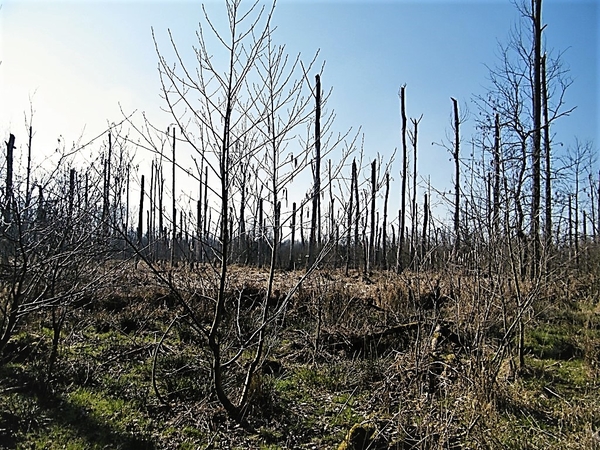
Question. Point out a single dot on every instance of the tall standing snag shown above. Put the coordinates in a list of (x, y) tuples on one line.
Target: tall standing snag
[(371, 252), (316, 193), (413, 234), (384, 225), (8, 193), (456, 156), (140, 229), (547, 160), (496, 194), (402, 218), (8, 197), (349, 223), (537, 122), (174, 217), (357, 213)]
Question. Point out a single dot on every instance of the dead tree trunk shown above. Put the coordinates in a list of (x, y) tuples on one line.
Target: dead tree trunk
[(349, 230), (293, 237), (127, 181), (71, 193), (496, 194), (242, 225), (174, 217), (598, 208), (28, 175), (536, 153), (357, 215), (107, 180), (316, 194), (384, 225), (260, 232), (371, 252), (548, 165), (413, 233), (576, 217), (205, 217), (456, 178), (332, 226), (402, 216), (199, 243), (10, 145), (424, 248), (302, 240), (570, 224), (140, 229)]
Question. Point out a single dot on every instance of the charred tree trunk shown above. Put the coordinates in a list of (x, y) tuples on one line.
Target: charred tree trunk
[(260, 232), (205, 217), (316, 194), (357, 215), (576, 219), (548, 165), (174, 235), (413, 233), (127, 181), (7, 247), (425, 225), (349, 224), (302, 241), (598, 208), (28, 175), (331, 204), (9, 198), (293, 237), (140, 229), (373, 229), (384, 225), (496, 193), (242, 226), (107, 179), (402, 216), (71, 192), (456, 156), (536, 153)]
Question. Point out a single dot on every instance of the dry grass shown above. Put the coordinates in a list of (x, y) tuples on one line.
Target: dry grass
[(449, 380)]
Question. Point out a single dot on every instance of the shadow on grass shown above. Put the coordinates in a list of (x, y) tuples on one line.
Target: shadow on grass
[(53, 409)]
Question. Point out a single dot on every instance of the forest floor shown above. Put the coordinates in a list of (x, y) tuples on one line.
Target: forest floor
[(413, 361)]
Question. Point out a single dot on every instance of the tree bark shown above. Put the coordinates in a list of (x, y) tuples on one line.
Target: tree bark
[(141, 215), (402, 217), (293, 237), (357, 214), (496, 194), (316, 194), (349, 224), (536, 153), (547, 160), (174, 234), (10, 145), (384, 225), (371, 253), (456, 156)]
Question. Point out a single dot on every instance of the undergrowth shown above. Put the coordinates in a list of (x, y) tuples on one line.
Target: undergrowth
[(438, 379)]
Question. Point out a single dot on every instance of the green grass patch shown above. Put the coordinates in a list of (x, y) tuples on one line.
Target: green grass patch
[(550, 341)]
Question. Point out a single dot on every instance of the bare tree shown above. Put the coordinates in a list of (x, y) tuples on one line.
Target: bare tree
[(241, 116), (404, 174), (456, 156), (56, 245), (315, 223), (527, 95)]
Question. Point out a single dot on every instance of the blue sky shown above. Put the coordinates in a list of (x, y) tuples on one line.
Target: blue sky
[(78, 60)]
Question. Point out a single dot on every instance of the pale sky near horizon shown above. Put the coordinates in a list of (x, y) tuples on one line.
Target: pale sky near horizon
[(77, 60)]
